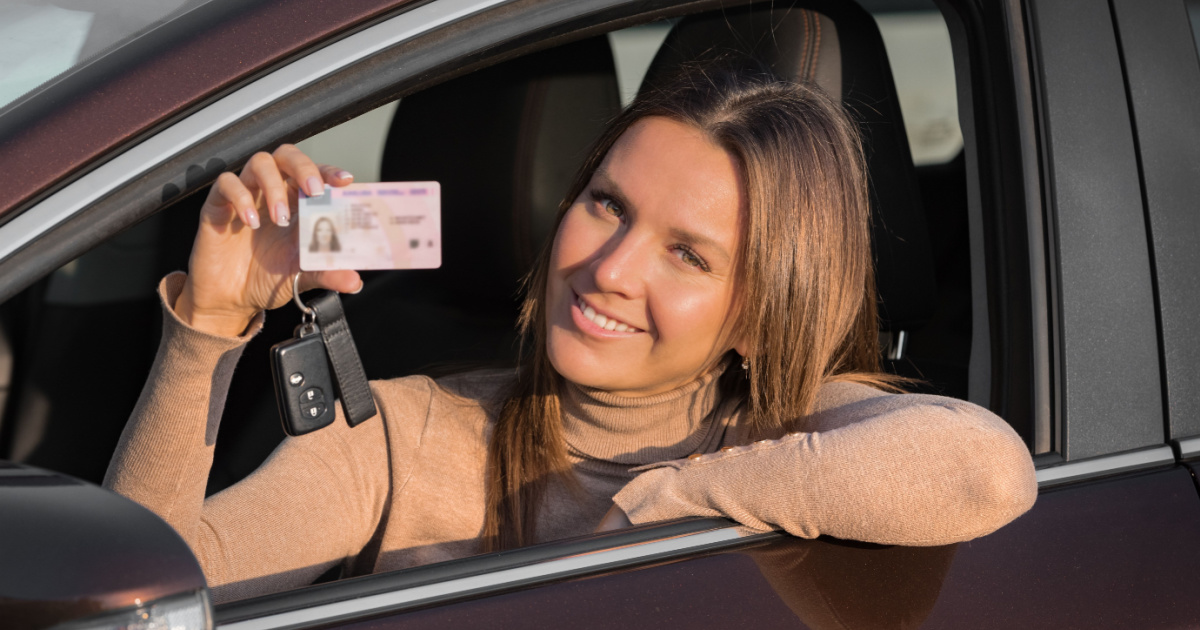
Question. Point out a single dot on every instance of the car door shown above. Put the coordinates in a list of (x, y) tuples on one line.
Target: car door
[(1058, 215), (1055, 216)]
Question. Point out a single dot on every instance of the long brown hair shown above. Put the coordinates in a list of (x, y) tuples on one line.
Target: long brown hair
[(806, 282)]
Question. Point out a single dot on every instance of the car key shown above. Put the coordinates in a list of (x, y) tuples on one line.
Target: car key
[(303, 386)]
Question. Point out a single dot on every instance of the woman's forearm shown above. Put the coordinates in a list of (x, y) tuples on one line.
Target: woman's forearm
[(163, 458), (315, 501), (909, 470)]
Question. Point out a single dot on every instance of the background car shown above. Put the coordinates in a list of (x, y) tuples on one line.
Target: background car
[(1035, 228)]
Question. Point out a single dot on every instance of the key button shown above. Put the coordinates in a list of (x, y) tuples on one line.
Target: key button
[(312, 410), (312, 395)]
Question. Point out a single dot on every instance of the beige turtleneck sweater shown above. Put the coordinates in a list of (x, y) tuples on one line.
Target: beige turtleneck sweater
[(406, 487)]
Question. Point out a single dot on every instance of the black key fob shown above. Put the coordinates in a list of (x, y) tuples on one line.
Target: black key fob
[(303, 387)]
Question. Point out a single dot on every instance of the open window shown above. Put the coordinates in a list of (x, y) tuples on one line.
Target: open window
[(501, 108)]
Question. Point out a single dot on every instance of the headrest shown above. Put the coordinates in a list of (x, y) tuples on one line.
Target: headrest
[(798, 44), (839, 50), (505, 143)]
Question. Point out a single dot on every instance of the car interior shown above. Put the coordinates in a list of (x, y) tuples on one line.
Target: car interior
[(504, 143)]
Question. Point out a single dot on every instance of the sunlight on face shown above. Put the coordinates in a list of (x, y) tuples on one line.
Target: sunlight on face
[(642, 273)]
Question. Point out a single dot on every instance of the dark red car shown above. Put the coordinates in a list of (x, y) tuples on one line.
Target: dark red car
[(1034, 173)]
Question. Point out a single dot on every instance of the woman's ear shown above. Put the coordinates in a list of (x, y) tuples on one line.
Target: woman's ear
[(742, 346)]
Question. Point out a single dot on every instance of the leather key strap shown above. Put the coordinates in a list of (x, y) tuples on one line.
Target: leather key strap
[(349, 377)]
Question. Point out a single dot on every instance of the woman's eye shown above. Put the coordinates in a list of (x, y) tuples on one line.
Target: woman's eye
[(690, 258), (612, 208)]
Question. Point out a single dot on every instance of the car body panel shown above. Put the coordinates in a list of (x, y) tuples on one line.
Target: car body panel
[(1104, 554)]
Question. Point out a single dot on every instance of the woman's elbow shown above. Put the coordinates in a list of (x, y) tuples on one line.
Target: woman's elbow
[(1005, 486)]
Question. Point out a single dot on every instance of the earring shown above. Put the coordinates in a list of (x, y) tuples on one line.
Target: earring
[(746, 366)]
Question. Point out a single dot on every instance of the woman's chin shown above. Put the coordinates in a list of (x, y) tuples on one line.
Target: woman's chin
[(579, 364)]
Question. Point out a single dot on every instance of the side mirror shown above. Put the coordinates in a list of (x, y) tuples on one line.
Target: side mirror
[(77, 556)]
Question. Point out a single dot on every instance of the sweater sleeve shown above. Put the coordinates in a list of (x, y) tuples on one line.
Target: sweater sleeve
[(316, 500), (902, 469)]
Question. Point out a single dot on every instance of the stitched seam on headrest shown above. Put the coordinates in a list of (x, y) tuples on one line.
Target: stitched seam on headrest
[(816, 49), (804, 73)]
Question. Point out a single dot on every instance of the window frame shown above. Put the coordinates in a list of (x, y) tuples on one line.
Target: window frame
[(1092, 416), (1161, 98), (396, 592)]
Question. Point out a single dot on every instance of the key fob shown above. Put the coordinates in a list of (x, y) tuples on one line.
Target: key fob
[(303, 387)]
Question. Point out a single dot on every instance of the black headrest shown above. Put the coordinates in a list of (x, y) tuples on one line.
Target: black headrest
[(840, 50), (505, 143)]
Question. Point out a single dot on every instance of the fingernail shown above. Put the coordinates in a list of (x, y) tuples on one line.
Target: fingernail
[(361, 284), (281, 211), (252, 219), (345, 175), (314, 186)]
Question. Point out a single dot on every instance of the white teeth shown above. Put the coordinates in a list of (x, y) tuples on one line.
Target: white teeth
[(602, 320)]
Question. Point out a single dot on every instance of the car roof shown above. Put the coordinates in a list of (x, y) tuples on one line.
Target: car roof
[(120, 95)]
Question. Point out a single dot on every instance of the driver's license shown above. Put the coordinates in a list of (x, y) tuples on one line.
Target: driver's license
[(389, 225)]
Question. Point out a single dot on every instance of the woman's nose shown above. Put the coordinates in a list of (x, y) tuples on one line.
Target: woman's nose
[(621, 266)]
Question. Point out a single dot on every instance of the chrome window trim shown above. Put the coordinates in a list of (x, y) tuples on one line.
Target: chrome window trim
[(1189, 448), (1107, 465), (86, 190), (522, 575)]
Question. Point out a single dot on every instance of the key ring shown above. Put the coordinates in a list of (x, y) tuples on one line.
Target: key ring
[(296, 295), (310, 317)]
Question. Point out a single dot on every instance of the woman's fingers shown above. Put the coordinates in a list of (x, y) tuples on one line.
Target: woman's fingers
[(300, 168), (336, 175), (263, 174), (229, 192)]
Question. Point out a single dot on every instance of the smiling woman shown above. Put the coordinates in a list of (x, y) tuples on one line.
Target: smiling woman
[(720, 220)]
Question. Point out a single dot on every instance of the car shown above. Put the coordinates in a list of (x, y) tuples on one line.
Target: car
[(1033, 167)]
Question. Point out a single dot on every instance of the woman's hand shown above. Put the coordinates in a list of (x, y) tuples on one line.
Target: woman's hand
[(616, 518), (246, 250)]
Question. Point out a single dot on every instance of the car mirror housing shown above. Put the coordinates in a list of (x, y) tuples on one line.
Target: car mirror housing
[(78, 556)]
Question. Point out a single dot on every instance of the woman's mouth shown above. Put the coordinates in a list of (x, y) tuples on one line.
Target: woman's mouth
[(602, 321)]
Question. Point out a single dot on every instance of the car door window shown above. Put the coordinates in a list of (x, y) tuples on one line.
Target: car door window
[(918, 45)]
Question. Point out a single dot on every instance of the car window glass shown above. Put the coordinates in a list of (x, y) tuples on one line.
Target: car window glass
[(355, 145), (40, 40), (918, 46), (633, 50)]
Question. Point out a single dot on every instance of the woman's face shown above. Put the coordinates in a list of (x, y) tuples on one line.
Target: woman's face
[(324, 234), (641, 280)]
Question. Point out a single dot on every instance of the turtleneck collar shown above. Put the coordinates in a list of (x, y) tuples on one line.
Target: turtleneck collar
[(633, 431)]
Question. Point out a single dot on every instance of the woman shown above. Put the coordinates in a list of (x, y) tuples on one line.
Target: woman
[(324, 237), (704, 343)]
